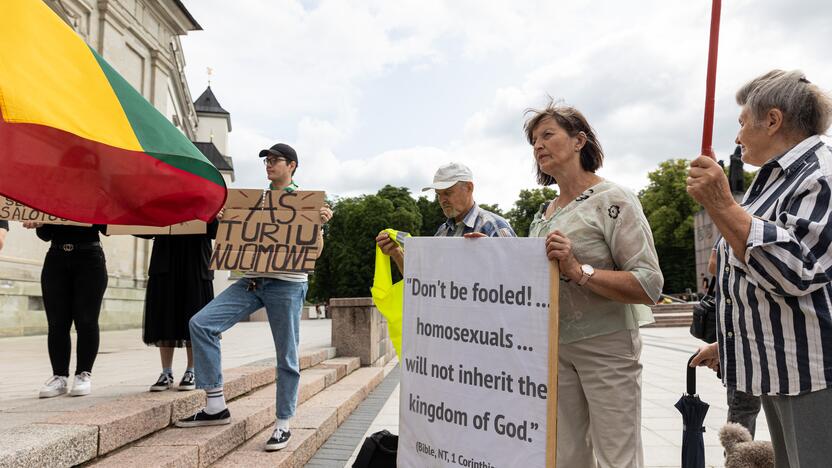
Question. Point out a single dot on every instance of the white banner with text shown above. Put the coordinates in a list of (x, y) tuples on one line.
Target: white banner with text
[(474, 353)]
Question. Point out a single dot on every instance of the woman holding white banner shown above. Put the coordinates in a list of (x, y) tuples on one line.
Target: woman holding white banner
[(598, 234)]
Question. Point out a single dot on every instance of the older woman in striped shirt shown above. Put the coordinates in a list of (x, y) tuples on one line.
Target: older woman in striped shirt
[(774, 264)]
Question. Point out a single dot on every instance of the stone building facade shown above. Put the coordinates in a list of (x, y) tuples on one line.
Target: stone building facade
[(141, 40)]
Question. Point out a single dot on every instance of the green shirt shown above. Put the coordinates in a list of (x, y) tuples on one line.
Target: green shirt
[(289, 188), (609, 231)]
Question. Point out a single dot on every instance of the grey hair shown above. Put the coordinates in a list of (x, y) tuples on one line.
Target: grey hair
[(806, 108)]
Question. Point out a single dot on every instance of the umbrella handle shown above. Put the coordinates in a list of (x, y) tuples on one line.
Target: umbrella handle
[(691, 377)]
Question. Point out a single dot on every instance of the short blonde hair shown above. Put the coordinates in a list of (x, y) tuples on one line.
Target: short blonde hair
[(806, 108)]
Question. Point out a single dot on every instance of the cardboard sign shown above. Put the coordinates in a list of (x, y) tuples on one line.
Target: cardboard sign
[(269, 231), (475, 388), (188, 227), (15, 211)]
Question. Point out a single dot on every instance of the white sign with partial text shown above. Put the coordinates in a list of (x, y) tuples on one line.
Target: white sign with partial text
[(474, 353)]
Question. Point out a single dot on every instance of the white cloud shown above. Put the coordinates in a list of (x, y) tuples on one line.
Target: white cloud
[(315, 77)]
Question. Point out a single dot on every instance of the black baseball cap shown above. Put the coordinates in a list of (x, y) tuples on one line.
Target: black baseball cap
[(281, 149)]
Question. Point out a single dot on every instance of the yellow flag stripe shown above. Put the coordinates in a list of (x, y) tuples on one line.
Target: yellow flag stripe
[(48, 76)]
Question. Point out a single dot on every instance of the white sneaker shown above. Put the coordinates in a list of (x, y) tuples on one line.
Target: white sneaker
[(82, 384), (56, 385)]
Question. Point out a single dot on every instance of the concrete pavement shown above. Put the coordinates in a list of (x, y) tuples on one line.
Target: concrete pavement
[(664, 355), (124, 366)]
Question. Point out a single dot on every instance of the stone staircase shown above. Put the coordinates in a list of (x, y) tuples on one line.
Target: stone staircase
[(137, 431), (672, 315)]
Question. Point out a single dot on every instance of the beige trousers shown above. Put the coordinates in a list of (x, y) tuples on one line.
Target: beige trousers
[(599, 402)]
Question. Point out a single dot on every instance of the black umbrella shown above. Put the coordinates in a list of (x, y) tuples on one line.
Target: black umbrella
[(693, 416)]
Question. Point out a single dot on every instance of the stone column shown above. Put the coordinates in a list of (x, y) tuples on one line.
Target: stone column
[(359, 330)]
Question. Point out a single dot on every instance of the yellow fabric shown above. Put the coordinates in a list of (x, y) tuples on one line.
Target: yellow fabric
[(48, 76), (389, 297)]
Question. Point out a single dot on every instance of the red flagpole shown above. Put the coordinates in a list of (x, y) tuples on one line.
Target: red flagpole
[(710, 84)]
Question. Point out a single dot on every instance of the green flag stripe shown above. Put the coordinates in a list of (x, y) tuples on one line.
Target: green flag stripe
[(158, 137), (206, 171)]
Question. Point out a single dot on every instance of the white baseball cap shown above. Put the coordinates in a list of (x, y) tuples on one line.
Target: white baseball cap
[(449, 174)]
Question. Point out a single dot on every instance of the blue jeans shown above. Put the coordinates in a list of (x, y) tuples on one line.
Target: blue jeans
[(283, 301)]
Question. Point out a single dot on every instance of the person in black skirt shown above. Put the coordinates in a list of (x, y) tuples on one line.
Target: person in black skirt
[(73, 281), (180, 283)]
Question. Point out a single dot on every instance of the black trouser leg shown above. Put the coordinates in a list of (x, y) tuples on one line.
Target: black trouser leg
[(90, 278), (57, 290), (743, 408)]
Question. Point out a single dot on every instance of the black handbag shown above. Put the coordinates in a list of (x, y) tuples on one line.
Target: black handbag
[(703, 325), (379, 451)]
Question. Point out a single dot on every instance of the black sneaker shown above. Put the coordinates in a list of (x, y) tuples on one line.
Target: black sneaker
[(279, 440), (187, 382), (204, 419), (165, 382)]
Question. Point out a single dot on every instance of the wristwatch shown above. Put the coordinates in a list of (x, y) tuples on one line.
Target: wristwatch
[(586, 273)]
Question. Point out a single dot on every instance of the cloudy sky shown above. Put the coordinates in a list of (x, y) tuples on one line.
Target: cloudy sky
[(376, 92)]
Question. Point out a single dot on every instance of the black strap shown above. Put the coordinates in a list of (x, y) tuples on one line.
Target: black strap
[(69, 247), (712, 286)]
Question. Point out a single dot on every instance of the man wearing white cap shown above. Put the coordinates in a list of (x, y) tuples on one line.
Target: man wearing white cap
[(454, 186)]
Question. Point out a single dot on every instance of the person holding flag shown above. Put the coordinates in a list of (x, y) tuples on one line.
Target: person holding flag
[(97, 152), (774, 263), (73, 282)]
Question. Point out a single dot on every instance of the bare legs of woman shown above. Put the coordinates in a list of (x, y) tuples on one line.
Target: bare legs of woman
[(165, 380)]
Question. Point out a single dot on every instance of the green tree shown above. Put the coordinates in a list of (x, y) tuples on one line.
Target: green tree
[(669, 210), (494, 208), (432, 216), (345, 268), (528, 203)]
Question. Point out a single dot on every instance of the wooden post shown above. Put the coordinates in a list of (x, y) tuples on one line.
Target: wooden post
[(710, 81), (552, 399)]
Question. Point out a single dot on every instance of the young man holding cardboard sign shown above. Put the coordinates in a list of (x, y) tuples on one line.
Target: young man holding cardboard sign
[(280, 290)]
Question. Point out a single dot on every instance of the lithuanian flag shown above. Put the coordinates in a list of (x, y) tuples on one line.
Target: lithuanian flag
[(77, 141)]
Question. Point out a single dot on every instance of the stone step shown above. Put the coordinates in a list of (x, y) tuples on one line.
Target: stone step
[(672, 315), (316, 420), (660, 309), (74, 437), (671, 322), (670, 325), (251, 414)]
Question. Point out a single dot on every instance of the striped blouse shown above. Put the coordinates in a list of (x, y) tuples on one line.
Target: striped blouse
[(775, 308)]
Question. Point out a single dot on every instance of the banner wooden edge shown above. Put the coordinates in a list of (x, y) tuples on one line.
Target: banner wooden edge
[(554, 341)]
